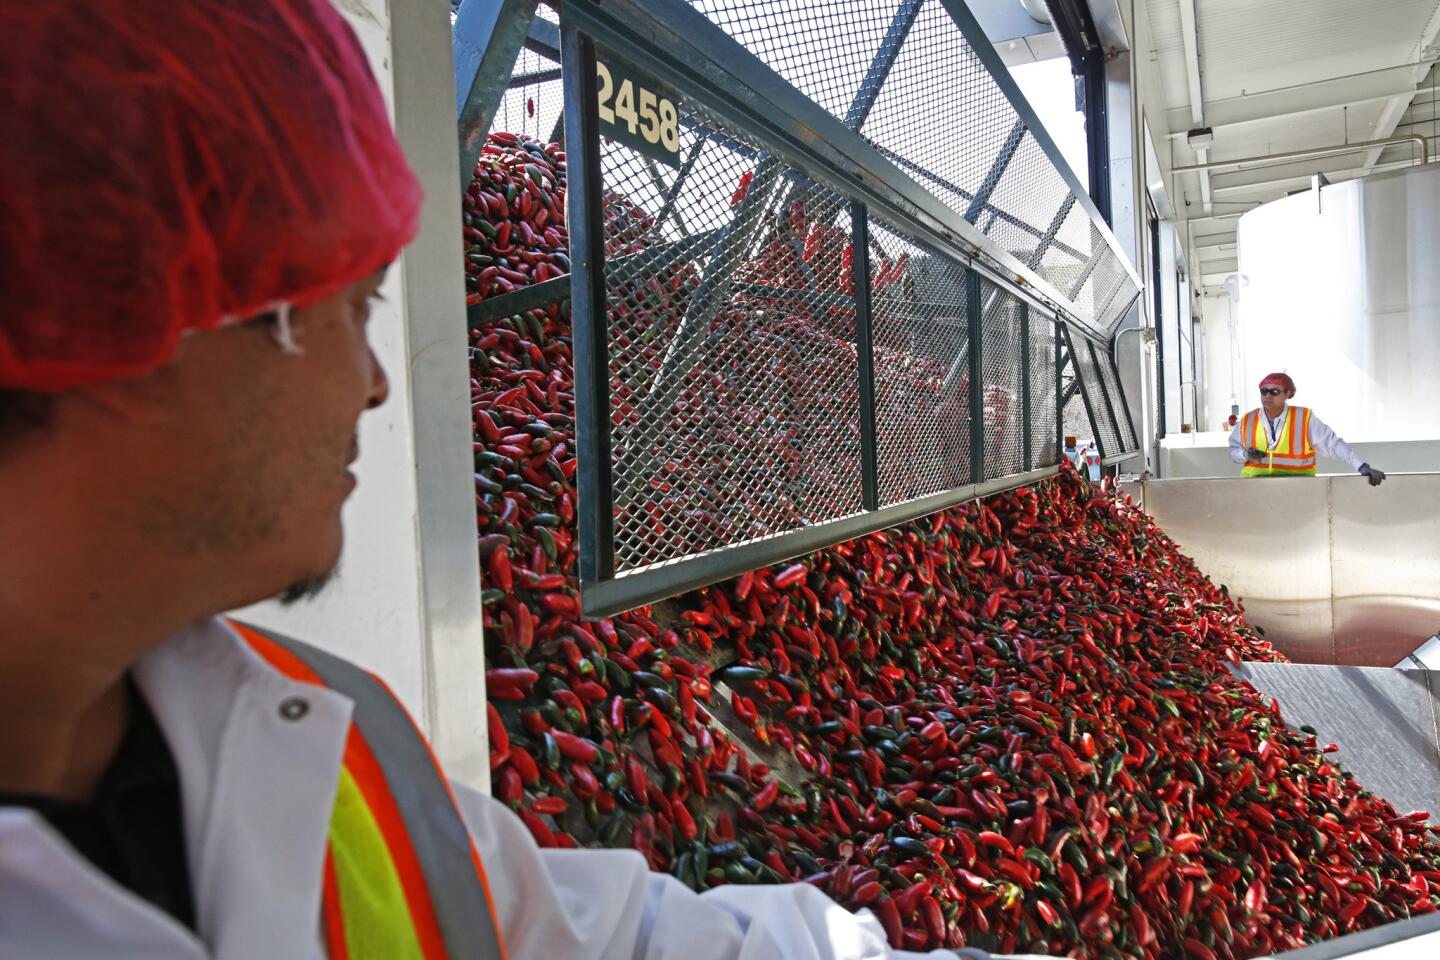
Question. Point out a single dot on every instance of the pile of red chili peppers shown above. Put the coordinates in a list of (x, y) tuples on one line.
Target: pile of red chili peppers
[(1015, 718)]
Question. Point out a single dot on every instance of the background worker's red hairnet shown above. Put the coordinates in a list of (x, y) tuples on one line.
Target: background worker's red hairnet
[(172, 166), (1281, 380)]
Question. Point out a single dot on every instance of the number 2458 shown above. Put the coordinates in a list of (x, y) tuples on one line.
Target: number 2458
[(654, 117)]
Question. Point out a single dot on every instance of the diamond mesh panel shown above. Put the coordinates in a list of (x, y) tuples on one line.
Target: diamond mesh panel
[(941, 117), (1043, 452), (922, 381), (1126, 436), (940, 111), (531, 108), (1077, 423), (1095, 387), (1030, 191), (822, 47), (1001, 374), (733, 366), (1073, 414)]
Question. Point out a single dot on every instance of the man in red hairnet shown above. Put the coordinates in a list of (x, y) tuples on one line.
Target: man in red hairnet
[(1278, 440), (197, 204)]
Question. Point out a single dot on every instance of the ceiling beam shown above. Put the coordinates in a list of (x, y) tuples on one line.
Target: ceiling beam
[(1390, 118), (1284, 102), (1190, 36)]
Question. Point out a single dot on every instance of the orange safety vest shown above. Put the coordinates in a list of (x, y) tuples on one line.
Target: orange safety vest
[(402, 877), (1291, 456)]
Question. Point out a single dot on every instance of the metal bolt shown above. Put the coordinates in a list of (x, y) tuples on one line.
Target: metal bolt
[(294, 708)]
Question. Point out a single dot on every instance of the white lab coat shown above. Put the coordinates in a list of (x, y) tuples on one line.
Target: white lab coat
[(1322, 438), (257, 791)]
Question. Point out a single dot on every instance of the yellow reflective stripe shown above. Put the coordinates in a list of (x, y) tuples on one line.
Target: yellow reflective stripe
[(372, 900)]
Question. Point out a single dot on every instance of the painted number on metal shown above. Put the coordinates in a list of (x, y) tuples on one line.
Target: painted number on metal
[(634, 112)]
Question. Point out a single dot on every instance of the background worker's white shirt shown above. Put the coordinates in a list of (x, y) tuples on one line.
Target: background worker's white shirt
[(1322, 438), (257, 791)]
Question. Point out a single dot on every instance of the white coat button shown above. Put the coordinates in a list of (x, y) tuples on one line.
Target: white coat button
[(294, 708)]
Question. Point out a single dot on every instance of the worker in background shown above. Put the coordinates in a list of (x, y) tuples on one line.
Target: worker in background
[(1278, 440), (188, 265)]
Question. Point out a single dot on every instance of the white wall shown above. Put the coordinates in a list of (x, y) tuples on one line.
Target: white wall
[(407, 602), (1222, 367)]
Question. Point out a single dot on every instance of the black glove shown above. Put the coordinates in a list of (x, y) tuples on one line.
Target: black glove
[(1255, 453), (1370, 473)]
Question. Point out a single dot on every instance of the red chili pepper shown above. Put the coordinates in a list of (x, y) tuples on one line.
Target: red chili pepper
[(500, 681), (790, 576), (576, 748)]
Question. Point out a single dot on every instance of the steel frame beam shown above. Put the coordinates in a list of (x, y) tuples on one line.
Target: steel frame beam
[(1085, 394), (865, 350), (1059, 390), (1025, 404), (486, 40), (1105, 395), (1081, 39), (543, 38), (589, 331), (1052, 232), (1159, 312), (884, 59), (975, 315), (629, 590), (912, 167)]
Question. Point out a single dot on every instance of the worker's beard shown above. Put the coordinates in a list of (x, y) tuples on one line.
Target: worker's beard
[(306, 589)]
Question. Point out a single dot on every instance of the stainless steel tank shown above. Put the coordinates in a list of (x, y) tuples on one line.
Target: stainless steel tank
[(1340, 288)]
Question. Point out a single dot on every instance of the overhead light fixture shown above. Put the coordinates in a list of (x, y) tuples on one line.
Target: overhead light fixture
[(1200, 138)]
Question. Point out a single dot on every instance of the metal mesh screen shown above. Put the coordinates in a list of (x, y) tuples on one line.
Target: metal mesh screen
[(733, 365), (940, 115), (922, 401), (1027, 189), (1004, 411), (822, 47), (904, 74), (1094, 385), (1126, 436), (1043, 452), (532, 103), (1077, 422)]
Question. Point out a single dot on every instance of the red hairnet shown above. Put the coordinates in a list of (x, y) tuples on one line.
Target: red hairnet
[(1281, 380), (169, 166)]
